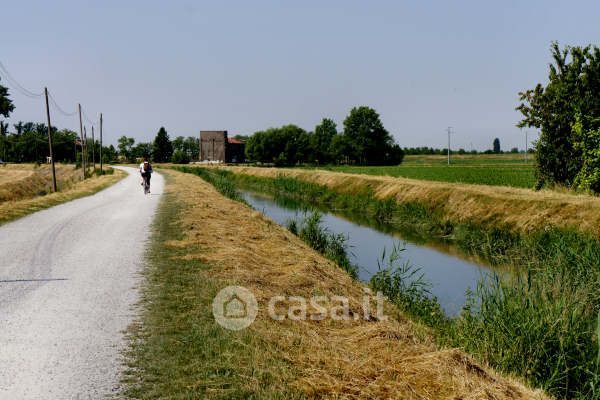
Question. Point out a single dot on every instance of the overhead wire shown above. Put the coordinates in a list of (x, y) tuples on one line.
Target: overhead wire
[(16, 85), (87, 118), (28, 93), (59, 108)]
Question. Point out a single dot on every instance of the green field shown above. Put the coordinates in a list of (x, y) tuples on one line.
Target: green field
[(497, 170)]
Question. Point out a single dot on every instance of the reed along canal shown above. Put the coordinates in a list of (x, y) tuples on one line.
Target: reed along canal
[(450, 276)]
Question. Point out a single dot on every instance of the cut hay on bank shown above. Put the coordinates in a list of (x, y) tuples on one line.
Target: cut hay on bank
[(356, 359)]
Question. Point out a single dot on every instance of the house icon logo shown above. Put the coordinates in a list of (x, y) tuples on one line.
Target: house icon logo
[(235, 308)]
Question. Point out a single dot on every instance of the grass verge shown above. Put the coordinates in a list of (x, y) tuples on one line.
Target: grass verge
[(178, 351), (542, 325), (13, 209), (207, 241)]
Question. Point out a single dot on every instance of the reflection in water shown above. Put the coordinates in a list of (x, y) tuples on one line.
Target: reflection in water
[(449, 275)]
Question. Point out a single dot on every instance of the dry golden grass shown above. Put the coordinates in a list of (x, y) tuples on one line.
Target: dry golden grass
[(72, 189), (358, 359), (14, 172), (522, 210), (22, 181)]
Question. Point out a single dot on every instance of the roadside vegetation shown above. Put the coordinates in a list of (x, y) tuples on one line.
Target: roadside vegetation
[(542, 324), (26, 188), (179, 349)]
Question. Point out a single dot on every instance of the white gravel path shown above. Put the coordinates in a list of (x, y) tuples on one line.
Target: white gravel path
[(68, 283)]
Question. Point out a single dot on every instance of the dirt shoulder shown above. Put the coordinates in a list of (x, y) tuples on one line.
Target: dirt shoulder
[(222, 242)]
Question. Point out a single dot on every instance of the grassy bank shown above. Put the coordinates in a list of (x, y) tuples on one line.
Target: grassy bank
[(203, 241), (542, 325), (30, 194), (509, 209)]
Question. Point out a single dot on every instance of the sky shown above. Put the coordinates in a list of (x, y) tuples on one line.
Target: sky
[(244, 66)]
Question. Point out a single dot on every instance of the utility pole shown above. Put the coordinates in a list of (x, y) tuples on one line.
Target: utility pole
[(3, 141), (526, 145), (449, 130), (81, 135), (85, 146), (93, 151), (50, 141), (100, 143)]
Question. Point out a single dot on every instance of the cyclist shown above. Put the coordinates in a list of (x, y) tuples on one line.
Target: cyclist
[(146, 173)]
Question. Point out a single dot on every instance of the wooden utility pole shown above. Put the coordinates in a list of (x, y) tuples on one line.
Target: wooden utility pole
[(100, 143), (93, 151), (50, 140), (85, 152), (81, 135), (3, 141)]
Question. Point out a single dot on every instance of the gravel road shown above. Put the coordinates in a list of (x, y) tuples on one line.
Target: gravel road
[(68, 283)]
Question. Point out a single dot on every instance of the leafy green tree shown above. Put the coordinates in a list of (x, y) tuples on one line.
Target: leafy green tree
[(162, 149), (288, 145), (191, 146), (180, 157), (178, 143), (340, 148), (573, 90), (109, 154), (371, 143), (125, 144), (588, 143), (496, 146), (6, 104), (320, 141), (141, 150)]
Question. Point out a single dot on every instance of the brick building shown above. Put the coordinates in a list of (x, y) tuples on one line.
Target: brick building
[(216, 146)]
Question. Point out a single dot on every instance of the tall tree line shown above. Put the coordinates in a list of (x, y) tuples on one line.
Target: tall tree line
[(363, 141)]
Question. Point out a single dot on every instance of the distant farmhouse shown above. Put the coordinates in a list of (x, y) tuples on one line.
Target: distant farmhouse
[(217, 147)]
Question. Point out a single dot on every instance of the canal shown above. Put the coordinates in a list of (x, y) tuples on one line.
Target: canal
[(449, 276)]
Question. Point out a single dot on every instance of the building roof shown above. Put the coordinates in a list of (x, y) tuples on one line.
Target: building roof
[(234, 141)]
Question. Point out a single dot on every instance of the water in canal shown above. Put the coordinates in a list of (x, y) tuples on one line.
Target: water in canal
[(450, 276)]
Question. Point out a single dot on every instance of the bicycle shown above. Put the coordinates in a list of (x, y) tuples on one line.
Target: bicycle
[(146, 184)]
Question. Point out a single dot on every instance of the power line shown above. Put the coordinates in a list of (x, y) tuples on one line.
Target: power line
[(16, 85), (87, 118), (59, 108)]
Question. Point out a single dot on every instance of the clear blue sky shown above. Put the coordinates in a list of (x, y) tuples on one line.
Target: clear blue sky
[(249, 65)]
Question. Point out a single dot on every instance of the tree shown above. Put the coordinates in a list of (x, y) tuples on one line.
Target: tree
[(573, 90), (287, 145), (191, 146), (320, 141), (162, 150), (142, 150), (588, 143), (6, 104), (371, 143), (496, 146), (177, 143), (109, 154), (180, 157), (124, 144)]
